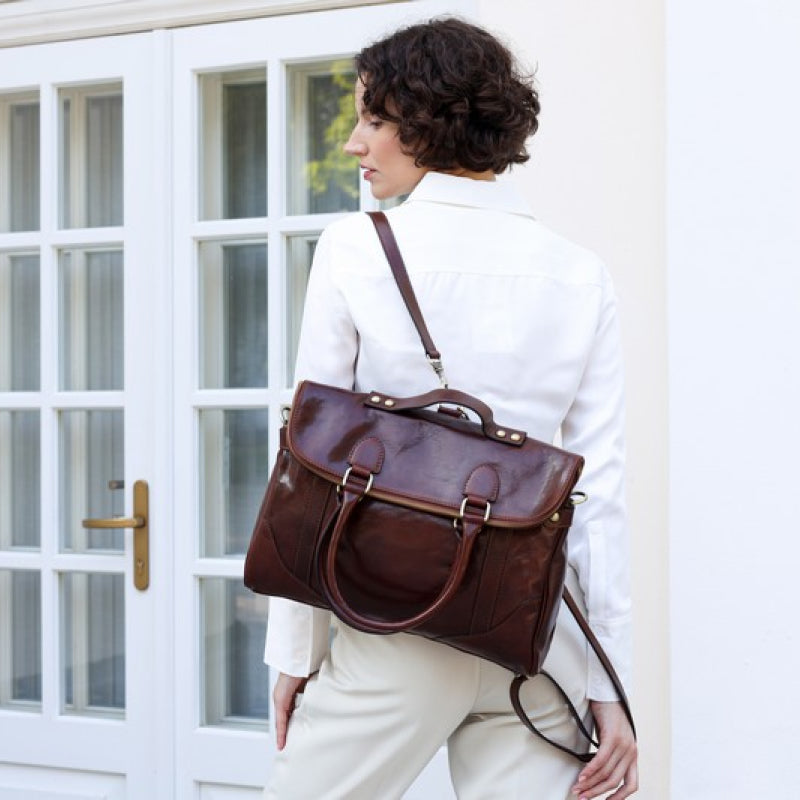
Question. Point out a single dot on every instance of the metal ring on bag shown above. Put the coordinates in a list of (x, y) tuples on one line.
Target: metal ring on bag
[(463, 509), (347, 475)]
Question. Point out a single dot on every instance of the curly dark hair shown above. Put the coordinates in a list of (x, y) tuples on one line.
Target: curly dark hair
[(455, 93)]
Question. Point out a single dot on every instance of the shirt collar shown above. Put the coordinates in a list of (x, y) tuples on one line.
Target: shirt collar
[(498, 195)]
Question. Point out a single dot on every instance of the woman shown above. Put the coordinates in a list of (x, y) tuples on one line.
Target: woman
[(525, 321)]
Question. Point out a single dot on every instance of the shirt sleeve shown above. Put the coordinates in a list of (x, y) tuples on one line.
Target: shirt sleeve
[(594, 427), (297, 634)]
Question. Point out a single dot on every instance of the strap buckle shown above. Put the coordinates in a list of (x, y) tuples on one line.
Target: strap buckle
[(438, 368)]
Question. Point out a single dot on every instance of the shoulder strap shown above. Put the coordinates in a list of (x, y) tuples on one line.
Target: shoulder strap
[(398, 267), (395, 259)]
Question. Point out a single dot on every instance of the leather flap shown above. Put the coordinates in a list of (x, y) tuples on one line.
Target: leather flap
[(429, 460)]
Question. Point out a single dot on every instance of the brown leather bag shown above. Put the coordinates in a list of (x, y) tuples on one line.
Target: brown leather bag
[(398, 517)]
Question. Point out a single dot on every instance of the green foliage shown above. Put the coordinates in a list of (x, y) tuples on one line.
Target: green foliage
[(334, 168)]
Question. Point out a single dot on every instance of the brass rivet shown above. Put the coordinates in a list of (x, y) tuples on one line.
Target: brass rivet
[(515, 437), (388, 403), (376, 398), (556, 517), (501, 433)]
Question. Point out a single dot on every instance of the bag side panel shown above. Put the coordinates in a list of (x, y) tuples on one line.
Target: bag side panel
[(280, 558)]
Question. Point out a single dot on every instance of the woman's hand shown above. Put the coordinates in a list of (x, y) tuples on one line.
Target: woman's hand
[(614, 764), (287, 687)]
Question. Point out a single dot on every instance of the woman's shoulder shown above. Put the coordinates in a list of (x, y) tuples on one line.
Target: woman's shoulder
[(349, 227), (573, 261)]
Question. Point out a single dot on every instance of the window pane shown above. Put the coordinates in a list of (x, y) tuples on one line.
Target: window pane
[(19, 322), (322, 177), (91, 319), (235, 679), (233, 145), (91, 156), (233, 314), (20, 470), (19, 165), (234, 467), (299, 256), (93, 644), (20, 640), (92, 478)]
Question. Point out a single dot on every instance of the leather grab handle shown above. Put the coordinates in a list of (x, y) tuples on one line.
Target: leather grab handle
[(454, 397), (340, 606)]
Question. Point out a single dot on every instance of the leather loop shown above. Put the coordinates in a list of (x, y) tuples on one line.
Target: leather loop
[(368, 455), (483, 482)]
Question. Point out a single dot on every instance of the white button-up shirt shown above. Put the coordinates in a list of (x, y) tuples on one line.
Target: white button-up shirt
[(524, 320)]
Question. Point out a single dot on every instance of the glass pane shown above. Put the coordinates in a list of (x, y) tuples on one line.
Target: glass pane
[(19, 322), (92, 478), (299, 256), (93, 644), (91, 156), (235, 679), (233, 314), (91, 319), (19, 162), (20, 475), (20, 640), (233, 145), (234, 467), (322, 177)]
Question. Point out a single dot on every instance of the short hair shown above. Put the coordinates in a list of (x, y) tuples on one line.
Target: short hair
[(455, 93)]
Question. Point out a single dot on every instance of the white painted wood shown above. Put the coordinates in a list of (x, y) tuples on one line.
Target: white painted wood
[(37, 783), (57, 755), (34, 21)]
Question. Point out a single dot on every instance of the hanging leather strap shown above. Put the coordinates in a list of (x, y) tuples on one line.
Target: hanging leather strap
[(395, 259), (389, 243), (516, 684)]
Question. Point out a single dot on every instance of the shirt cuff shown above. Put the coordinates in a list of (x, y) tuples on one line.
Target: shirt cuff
[(615, 638), (297, 637)]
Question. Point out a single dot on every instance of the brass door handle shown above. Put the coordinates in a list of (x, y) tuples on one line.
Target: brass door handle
[(141, 537), (115, 522)]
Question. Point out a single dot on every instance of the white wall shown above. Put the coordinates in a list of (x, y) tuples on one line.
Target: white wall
[(734, 331), (597, 175)]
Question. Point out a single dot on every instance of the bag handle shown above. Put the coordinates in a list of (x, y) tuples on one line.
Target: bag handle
[(453, 397), (471, 526), (398, 267)]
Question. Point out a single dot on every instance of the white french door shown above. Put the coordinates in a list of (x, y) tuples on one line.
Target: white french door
[(80, 592), (161, 195)]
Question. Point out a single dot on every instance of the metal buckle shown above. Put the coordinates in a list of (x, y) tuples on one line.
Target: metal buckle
[(347, 475), (462, 510), (582, 497), (438, 368)]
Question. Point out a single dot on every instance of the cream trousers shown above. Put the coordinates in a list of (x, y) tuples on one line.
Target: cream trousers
[(381, 706)]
